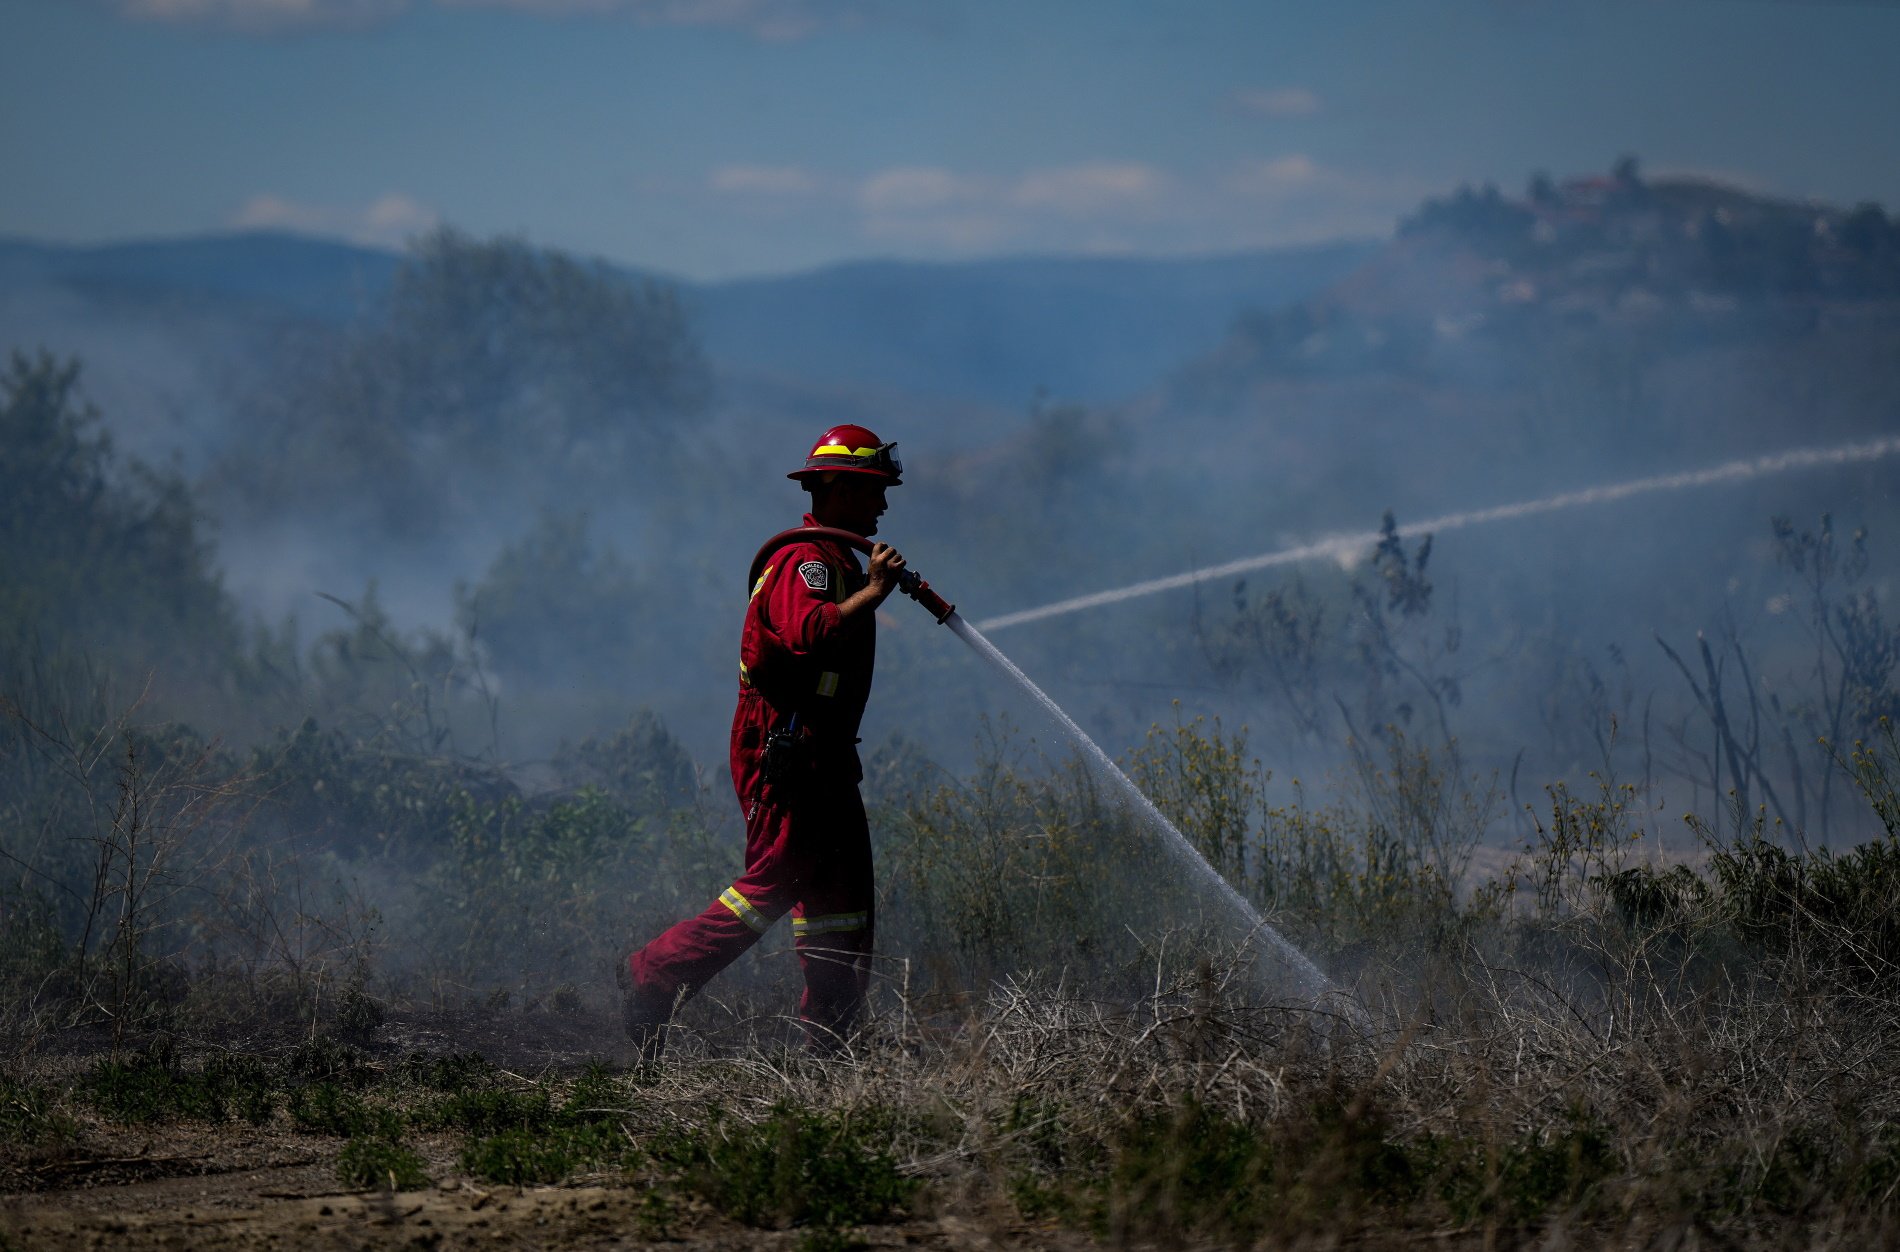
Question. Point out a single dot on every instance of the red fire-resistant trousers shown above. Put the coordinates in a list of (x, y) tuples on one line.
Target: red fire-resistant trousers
[(810, 855)]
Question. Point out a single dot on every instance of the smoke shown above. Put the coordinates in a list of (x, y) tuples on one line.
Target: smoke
[(1293, 962), (1344, 547)]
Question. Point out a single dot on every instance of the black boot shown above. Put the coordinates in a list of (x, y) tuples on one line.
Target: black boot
[(644, 1016)]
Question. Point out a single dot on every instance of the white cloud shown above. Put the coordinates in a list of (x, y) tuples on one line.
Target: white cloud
[(1084, 190), (389, 220), (911, 188), (964, 232), (1296, 199), (771, 181), (929, 204), (264, 16), (1274, 102), (772, 20), (1131, 207), (1103, 206), (1278, 176)]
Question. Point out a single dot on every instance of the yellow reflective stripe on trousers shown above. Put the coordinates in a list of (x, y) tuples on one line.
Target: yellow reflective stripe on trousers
[(743, 910), (829, 923), (827, 684)]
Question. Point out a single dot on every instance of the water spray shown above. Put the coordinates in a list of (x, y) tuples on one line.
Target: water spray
[(1342, 547), (1300, 970)]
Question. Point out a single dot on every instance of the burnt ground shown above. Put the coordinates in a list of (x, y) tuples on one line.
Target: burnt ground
[(252, 1191), (194, 1185)]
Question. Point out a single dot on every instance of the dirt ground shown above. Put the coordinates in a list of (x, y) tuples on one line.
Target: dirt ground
[(221, 1191), (182, 1185)]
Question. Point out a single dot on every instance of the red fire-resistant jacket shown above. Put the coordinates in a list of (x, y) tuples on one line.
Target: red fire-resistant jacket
[(796, 655)]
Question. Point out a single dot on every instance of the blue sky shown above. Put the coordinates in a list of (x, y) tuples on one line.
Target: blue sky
[(714, 138)]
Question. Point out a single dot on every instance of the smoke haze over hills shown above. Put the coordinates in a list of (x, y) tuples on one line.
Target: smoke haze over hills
[(437, 427)]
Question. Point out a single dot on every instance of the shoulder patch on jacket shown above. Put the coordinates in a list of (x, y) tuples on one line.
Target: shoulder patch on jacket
[(817, 575)]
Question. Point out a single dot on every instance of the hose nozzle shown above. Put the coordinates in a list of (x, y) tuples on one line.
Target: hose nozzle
[(913, 585)]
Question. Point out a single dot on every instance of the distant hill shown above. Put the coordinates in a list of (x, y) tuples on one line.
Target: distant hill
[(287, 274), (1083, 328), (1500, 346), (989, 332), (1682, 262)]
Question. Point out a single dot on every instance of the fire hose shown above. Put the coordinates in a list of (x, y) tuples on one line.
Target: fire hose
[(908, 581), (1295, 962)]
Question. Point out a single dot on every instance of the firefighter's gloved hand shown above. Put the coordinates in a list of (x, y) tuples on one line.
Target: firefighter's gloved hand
[(887, 565)]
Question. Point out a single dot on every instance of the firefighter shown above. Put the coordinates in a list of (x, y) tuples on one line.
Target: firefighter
[(805, 659)]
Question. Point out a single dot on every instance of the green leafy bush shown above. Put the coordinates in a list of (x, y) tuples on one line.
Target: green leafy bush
[(30, 1116), (152, 1087), (798, 1167), (373, 1161), (547, 1155), (347, 796), (453, 1073), (324, 1108), (489, 1112), (325, 1058)]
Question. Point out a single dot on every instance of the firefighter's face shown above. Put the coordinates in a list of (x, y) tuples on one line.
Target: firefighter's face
[(850, 502)]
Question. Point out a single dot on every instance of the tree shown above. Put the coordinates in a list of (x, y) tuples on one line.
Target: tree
[(555, 607), (496, 368), (1865, 230), (97, 554)]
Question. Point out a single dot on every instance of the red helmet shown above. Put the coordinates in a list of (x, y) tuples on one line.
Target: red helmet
[(852, 450)]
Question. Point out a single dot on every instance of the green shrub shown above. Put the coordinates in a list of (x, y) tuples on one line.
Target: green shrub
[(595, 1096), (346, 795), (1559, 1170), (30, 1116), (1191, 1172), (1018, 866), (325, 1108), (152, 1087), (796, 1168), (31, 946), (1206, 1177), (1838, 913), (453, 1073), (488, 1112), (357, 1016), (522, 888), (1876, 771), (1194, 1170), (642, 765), (1047, 866), (325, 1058), (549, 1155), (373, 1161)]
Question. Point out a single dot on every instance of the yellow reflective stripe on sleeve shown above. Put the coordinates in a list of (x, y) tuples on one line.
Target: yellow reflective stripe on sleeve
[(743, 910), (760, 585), (830, 923), (827, 684)]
